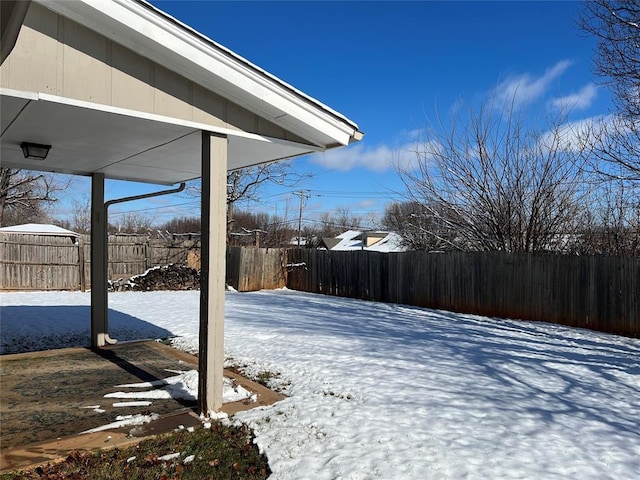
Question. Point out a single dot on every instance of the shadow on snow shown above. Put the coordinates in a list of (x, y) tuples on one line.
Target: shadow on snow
[(28, 328), (552, 373)]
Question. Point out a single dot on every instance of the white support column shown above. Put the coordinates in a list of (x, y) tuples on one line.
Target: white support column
[(99, 332), (212, 273)]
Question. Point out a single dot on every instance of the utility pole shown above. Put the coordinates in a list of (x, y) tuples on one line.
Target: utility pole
[(302, 196)]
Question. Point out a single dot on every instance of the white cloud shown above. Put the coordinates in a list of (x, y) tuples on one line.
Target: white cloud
[(575, 136), (379, 158), (525, 88), (579, 100), (412, 135), (457, 105), (367, 203)]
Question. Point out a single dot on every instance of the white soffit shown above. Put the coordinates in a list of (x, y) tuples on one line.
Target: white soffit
[(152, 33), (122, 144)]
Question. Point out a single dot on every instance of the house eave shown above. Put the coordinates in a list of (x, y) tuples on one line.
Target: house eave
[(156, 35)]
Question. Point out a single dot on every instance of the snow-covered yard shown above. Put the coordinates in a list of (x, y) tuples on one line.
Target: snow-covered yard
[(389, 391)]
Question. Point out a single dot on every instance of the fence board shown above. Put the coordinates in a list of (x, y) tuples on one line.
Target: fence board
[(595, 292), (251, 269), (44, 262), (36, 262)]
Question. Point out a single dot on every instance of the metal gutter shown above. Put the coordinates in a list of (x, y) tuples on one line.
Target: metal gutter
[(143, 196)]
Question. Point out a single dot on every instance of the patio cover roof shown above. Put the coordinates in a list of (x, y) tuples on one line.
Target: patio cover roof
[(131, 145), (105, 139)]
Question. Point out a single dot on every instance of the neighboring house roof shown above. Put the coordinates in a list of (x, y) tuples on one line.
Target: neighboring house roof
[(294, 241), (348, 241), (391, 243), (329, 243), (40, 229), (369, 241)]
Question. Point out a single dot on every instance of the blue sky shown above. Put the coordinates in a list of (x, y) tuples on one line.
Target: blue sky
[(390, 66)]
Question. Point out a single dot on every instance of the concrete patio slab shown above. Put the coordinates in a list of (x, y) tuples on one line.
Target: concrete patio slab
[(45, 396)]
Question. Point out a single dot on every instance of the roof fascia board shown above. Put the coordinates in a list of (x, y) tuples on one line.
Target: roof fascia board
[(150, 32), (244, 61)]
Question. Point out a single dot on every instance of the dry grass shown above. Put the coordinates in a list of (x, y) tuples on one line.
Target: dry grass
[(221, 452)]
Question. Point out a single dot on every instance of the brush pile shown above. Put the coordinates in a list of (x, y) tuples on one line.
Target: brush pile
[(167, 277)]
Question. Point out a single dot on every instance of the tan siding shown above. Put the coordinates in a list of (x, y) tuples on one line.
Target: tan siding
[(59, 82), (270, 129), (172, 96), (85, 71), (211, 108), (241, 118), (32, 65), (131, 76), (56, 55)]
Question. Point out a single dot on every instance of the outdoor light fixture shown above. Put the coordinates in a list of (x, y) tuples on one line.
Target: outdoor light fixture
[(35, 151)]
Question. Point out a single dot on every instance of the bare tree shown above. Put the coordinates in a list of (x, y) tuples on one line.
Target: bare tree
[(613, 223), (261, 229), (81, 215), (344, 219), (615, 152), (418, 227), (24, 195), (336, 222), (131, 222), (182, 225), (498, 183), (246, 184), (616, 25)]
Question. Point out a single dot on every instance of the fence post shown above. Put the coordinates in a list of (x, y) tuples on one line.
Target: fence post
[(83, 281), (148, 253)]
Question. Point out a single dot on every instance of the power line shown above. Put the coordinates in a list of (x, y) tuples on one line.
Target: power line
[(194, 202), (177, 209)]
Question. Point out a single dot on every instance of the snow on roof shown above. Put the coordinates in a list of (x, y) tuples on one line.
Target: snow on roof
[(40, 229), (391, 243), (348, 241), (294, 241), (354, 240), (349, 234)]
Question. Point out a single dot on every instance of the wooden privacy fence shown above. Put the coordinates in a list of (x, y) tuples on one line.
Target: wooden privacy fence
[(41, 262), (251, 269), (133, 254), (47, 262), (596, 292)]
